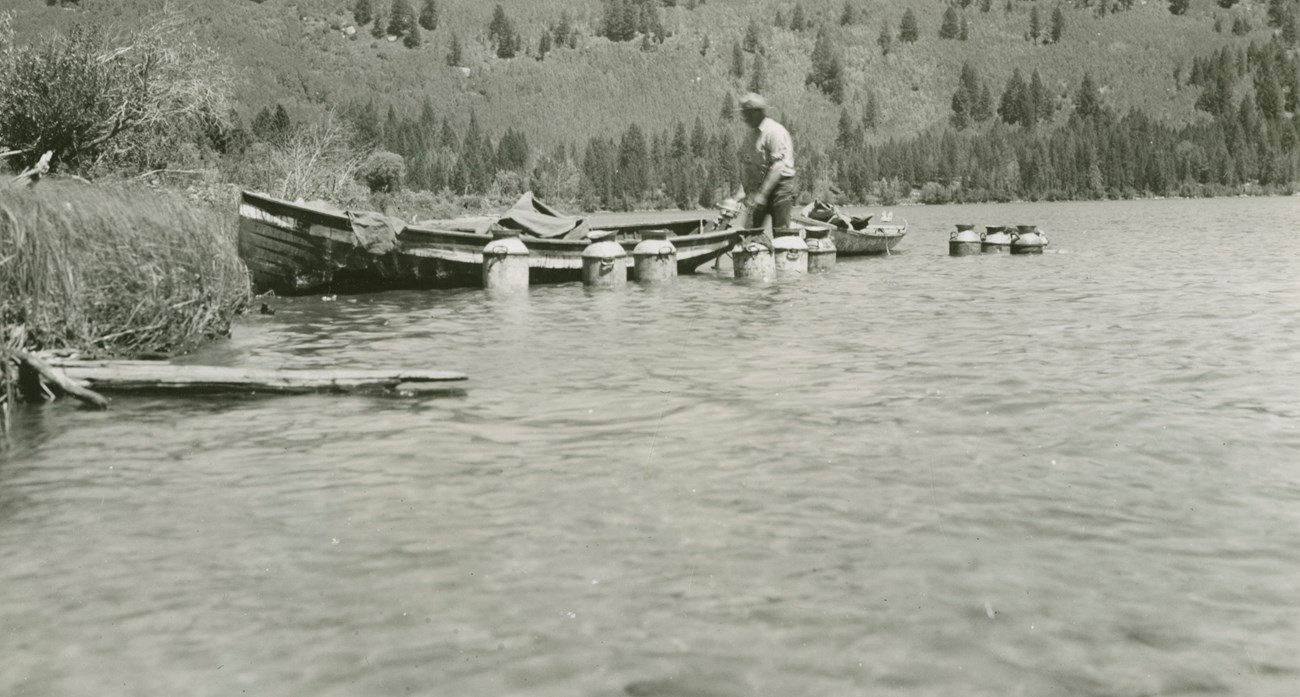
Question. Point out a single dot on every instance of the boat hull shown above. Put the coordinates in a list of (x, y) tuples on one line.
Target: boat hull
[(293, 249), (551, 260), (872, 240)]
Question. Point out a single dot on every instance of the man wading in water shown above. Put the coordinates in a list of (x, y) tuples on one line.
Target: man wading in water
[(768, 166)]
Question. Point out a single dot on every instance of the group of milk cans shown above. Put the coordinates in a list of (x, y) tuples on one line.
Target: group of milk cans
[(996, 239)]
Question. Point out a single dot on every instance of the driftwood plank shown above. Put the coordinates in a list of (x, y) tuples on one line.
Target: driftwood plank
[(146, 375)]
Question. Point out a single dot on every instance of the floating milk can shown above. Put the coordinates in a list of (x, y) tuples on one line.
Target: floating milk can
[(654, 258), (505, 262), (964, 241), (604, 262), (789, 253), (752, 257), (1028, 240), (996, 240), (821, 249)]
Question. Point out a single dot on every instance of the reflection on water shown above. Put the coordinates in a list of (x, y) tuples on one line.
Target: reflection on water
[(918, 475)]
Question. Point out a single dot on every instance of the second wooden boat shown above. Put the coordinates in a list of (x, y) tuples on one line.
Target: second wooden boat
[(855, 235)]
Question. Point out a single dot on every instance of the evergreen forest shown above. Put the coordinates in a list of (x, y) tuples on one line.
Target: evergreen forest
[(623, 104)]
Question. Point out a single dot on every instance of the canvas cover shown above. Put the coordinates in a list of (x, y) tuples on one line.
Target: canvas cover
[(375, 232), (532, 218)]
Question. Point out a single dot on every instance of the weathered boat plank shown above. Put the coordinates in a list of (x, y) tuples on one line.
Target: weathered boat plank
[(152, 376)]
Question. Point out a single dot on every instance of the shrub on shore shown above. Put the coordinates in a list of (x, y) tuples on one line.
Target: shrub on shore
[(115, 272)]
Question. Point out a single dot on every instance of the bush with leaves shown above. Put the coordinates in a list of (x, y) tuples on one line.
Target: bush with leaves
[(383, 172), (100, 101)]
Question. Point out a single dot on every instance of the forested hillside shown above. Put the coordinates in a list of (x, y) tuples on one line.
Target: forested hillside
[(965, 95)]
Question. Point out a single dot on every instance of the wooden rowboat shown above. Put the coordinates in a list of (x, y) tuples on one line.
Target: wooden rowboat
[(297, 248), (855, 236)]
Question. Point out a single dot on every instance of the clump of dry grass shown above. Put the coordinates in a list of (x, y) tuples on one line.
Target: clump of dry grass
[(115, 272)]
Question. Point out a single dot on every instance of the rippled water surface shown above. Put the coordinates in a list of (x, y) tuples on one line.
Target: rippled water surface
[(1074, 474)]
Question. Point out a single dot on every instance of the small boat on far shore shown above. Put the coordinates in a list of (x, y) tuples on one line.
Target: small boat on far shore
[(299, 248), (855, 235)]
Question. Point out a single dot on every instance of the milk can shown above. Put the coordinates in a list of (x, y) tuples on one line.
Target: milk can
[(752, 257), (996, 240), (505, 262), (789, 252), (654, 258), (1027, 240), (821, 249), (604, 261), (964, 241)]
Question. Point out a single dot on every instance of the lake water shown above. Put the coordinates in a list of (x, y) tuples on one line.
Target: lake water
[(1074, 474)]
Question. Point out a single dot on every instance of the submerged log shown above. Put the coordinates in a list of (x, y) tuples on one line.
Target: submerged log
[(145, 376), (34, 372)]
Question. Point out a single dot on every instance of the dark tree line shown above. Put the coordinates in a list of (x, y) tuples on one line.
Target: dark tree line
[(1025, 143)]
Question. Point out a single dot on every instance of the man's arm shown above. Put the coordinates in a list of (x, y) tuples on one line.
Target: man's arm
[(769, 183)]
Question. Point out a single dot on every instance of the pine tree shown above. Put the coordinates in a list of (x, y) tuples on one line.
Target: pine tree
[(753, 37), (846, 132), (983, 110), (757, 76), (737, 61), (502, 34), (1039, 99), (1087, 103), (280, 123), (544, 45), (362, 13), (399, 18), (885, 40), (847, 15), (951, 26), (454, 59), (797, 20), (1178, 7), (826, 74), (429, 15), (1058, 24), (565, 34), (1291, 27), (871, 111), (632, 176), (965, 100), (412, 38), (908, 31), (1011, 107), (681, 147), (1035, 25), (964, 34), (499, 25), (379, 29), (699, 141), (1268, 89), (728, 111)]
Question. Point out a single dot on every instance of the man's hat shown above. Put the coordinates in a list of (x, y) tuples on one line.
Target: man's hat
[(754, 102)]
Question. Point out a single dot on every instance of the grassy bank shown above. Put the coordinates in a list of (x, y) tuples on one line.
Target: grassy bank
[(115, 272)]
